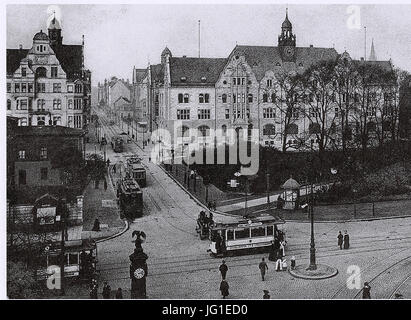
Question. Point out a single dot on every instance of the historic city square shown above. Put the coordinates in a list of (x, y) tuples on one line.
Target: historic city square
[(208, 151)]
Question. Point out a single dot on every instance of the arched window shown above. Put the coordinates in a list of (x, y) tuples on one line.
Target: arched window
[(180, 98), (56, 104), (224, 98), (41, 120), (204, 131), (265, 97), (273, 97), (183, 130), (186, 98), (8, 104), (234, 98), (201, 98), (206, 98), (40, 104), (292, 128), (224, 129), (269, 130), (250, 98), (41, 72), (314, 128)]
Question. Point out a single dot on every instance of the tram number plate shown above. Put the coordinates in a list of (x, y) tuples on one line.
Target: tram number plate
[(250, 245)]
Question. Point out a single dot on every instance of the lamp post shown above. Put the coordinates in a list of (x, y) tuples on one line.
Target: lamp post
[(313, 265)]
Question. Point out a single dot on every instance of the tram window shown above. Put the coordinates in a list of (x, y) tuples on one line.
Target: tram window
[(230, 234), (258, 232), (242, 233), (73, 258), (270, 230)]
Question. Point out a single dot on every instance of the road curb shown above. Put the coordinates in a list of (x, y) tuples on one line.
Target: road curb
[(352, 220), (126, 227)]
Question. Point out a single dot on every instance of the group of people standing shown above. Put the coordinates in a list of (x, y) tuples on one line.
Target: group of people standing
[(343, 240), (106, 292)]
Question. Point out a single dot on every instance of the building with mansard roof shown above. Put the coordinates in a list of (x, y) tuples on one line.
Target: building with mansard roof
[(48, 83)]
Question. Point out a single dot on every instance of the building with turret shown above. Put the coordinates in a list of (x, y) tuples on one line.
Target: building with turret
[(48, 83)]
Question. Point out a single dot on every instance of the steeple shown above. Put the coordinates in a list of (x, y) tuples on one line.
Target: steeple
[(55, 31), (286, 38), (373, 56)]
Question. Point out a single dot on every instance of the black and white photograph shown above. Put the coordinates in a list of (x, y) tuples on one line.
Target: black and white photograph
[(206, 151)]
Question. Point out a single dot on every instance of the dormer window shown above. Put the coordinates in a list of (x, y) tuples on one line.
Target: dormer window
[(203, 79), (183, 79)]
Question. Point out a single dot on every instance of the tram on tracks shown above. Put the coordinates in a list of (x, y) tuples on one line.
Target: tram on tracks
[(240, 234), (136, 170), (80, 259), (130, 197), (117, 143)]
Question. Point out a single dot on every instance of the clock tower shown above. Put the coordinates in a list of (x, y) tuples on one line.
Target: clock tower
[(286, 40)]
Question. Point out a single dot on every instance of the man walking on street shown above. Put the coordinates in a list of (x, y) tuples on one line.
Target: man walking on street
[(224, 288), (346, 240), (263, 267), (340, 239), (223, 269)]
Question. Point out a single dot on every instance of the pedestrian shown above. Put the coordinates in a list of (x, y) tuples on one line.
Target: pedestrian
[(96, 226), (224, 288), (340, 239), (279, 264), (366, 291), (266, 294), (119, 294), (282, 249), (105, 184), (263, 268), (293, 263), (106, 291), (223, 269), (346, 240), (93, 289)]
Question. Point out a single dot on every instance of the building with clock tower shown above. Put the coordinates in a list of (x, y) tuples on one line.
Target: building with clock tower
[(287, 40)]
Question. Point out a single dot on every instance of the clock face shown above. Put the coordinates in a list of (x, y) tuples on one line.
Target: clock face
[(139, 273), (289, 52)]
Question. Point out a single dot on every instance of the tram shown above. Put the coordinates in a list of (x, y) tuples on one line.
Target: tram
[(80, 258), (117, 143), (131, 198), (136, 170), (239, 234)]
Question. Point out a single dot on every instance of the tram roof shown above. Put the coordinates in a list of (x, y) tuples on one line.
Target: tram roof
[(231, 221)]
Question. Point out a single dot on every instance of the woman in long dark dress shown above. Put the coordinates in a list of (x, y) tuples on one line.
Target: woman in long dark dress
[(346, 240), (224, 288)]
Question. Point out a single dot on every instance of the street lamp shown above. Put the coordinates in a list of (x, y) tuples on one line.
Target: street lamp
[(313, 265), (238, 174)]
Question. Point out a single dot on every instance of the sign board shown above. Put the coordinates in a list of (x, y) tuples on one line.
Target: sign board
[(46, 215), (233, 183)]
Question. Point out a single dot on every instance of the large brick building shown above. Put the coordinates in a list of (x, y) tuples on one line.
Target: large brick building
[(240, 91), (48, 83)]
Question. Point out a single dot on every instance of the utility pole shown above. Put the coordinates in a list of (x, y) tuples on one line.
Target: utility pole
[(62, 244)]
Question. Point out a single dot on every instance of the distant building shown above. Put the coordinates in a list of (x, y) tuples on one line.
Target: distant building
[(405, 109), (110, 91), (48, 83)]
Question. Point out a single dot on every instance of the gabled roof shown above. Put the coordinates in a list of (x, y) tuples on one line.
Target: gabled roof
[(385, 65), (196, 71), (157, 73), (122, 98), (69, 56), (140, 74), (264, 58)]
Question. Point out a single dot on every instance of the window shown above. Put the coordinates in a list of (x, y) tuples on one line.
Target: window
[(22, 177), (224, 98), (41, 87), (273, 98), (78, 88), (258, 232), (204, 114), (43, 153), (22, 154), (40, 104), (265, 97), (54, 72), (270, 230), (269, 130), (43, 173), (30, 87), (22, 104), (77, 104), (242, 233), (56, 104), (182, 131), (22, 122), (186, 98), (250, 98), (41, 72), (292, 128), (230, 234), (23, 87), (234, 98), (269, 83), (70, 88), (234, 81), (206, 98), (56, 87), (8, 104), (17, 87), (8, 87), (224, 129), (23, 72), (268, 113), (56, 120), (227, 113), (180, 98), (41, 120), (296, 114), (201, 98), (77, 121), (70, 103), (183, 114), (70, 121), (204, 131)]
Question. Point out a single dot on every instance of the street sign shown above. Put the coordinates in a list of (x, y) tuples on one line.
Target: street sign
[(233, 183)]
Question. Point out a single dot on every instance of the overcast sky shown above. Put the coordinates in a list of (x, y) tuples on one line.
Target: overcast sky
[(117, 37)]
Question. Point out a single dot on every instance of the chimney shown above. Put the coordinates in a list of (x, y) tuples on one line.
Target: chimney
[(20, 46), (362, 59), (311, 46)]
